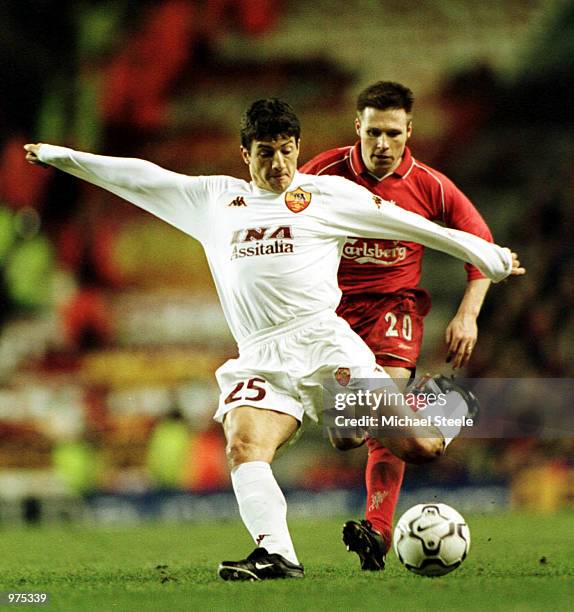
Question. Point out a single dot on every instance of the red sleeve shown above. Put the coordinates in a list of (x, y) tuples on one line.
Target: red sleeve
[(312, 166), (331, 161), (460, 214)]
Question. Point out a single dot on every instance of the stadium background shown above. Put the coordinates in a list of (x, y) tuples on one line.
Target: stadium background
[(110, 328)]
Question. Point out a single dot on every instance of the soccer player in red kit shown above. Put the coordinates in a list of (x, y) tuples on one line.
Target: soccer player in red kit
[(382, 299)]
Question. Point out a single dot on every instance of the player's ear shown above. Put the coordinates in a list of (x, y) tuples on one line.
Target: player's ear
[(358, 125), (409, 129), (245, 154)]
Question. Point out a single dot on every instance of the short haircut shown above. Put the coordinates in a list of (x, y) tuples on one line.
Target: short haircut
[(266, 120), (386, 94)]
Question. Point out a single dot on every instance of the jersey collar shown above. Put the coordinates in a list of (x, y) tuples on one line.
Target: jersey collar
[(359, 168)]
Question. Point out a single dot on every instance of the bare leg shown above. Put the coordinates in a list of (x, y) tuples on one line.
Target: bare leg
[(254, 434)]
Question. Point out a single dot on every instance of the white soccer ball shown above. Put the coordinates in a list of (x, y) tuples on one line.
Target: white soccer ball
[(431, 539)]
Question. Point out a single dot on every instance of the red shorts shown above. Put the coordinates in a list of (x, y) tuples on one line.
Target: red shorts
[(391, 324)]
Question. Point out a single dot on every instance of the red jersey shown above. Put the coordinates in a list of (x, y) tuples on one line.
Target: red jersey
[(387, 266)]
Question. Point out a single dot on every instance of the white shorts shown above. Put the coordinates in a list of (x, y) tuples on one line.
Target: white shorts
[(286, 368)]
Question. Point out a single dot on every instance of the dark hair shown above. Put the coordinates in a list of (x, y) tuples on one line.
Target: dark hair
[(385, 94), (267, 119)]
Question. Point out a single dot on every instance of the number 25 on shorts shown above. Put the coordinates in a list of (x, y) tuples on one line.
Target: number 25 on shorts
[(251, 391)]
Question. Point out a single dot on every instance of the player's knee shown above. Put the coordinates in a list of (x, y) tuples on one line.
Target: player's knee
[(418, 450), (345, 444), (240, 450), (424, 450)]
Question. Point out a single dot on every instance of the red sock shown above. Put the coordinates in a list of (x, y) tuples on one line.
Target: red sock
[(383, 477)]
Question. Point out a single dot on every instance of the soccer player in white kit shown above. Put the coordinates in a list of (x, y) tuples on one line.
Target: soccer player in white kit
[(273, 245)]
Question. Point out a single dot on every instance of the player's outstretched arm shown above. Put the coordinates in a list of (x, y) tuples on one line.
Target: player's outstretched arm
[(168, 195), (127, 173), (354, 211), (492, 260)]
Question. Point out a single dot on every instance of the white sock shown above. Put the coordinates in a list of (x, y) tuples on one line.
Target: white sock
[(263, 508)]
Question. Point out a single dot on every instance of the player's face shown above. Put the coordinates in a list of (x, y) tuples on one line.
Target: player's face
[(384, 135), (272, 163)]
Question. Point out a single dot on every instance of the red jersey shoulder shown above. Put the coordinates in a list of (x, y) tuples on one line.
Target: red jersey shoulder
[(435, 189), (457, 209), (432, 177), (328, 162)]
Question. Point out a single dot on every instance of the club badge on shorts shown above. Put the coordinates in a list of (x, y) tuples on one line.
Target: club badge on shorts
[(343, 376), (297, 200)]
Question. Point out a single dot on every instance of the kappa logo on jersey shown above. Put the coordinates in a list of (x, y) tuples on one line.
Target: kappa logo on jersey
[(255, 241), (381, 252), (343, 376), (297, 200), (238, 201)]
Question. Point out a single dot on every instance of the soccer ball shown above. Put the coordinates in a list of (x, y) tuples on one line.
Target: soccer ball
[(431, 539)]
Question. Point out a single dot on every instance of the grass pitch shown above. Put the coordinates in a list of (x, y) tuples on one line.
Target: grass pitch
[(516, 563)]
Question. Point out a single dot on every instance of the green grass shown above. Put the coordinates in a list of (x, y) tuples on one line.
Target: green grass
[(116, 569)]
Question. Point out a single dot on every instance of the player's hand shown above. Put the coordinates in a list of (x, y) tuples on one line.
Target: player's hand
[(32, 151), (461, 335), (516, 270)]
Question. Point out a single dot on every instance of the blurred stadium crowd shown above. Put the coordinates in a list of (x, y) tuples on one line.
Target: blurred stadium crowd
[(109, 325)]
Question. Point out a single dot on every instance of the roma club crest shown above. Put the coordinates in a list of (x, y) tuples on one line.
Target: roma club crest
[(343, 376), (297, 200)]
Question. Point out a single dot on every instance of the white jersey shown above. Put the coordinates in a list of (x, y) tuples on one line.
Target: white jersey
[(274, 257)]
